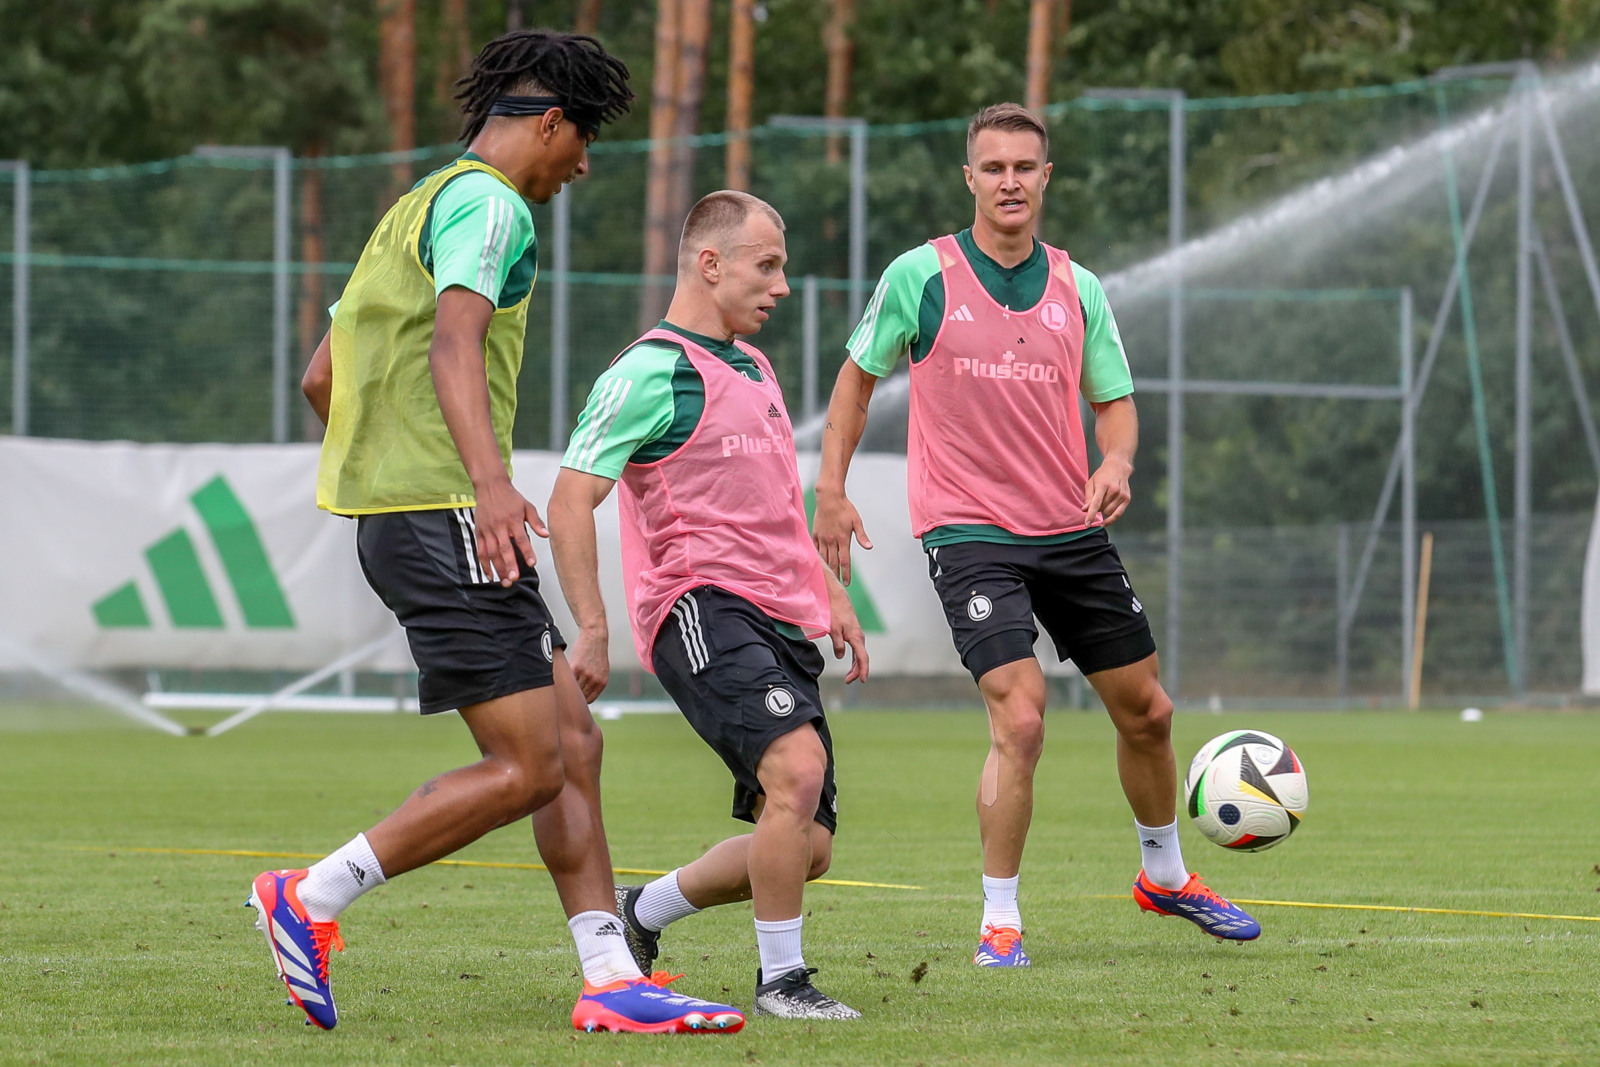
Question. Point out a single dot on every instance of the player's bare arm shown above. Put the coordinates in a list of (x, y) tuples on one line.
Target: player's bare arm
[(1116, 431), (317, 383), (456, 360), (845, 629), (577, 559), (836, 519)]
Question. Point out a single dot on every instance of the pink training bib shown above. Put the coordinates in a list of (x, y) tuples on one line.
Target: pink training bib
[(995, 437), (726, 509)]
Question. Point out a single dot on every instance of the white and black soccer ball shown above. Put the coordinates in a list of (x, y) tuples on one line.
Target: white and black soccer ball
[(1246, 790)]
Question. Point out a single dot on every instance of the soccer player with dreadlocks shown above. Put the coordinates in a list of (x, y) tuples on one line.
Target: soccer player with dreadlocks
[(417, 383)]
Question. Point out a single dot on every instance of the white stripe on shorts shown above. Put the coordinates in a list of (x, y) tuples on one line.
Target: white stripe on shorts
[(469, 541)]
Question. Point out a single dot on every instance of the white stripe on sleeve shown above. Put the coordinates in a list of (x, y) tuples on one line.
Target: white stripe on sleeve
[(605, 418), (494, 246)]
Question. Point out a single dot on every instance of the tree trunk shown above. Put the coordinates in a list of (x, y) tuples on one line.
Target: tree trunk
[(455, 52), (1041, 27), (841, 60), (312, 312), (741, 86), (588, 20), (397, 77), (694, 40), (659, 251)]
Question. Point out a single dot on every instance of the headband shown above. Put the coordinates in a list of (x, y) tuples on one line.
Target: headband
[(521, 106)]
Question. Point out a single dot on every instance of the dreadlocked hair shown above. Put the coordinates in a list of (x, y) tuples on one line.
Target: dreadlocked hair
[(573, 66)]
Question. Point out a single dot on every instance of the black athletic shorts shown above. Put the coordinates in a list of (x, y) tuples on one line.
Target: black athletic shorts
[(742, 684), (473, 639), (1079, 591)]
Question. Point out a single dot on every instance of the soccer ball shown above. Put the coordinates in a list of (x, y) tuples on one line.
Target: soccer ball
[(1246, 790)]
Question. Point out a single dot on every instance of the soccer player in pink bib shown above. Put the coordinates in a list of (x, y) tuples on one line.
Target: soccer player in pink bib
[(1004, 334), (417, 384), (724, 587)]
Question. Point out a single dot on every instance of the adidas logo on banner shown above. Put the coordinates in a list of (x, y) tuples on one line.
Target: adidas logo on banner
[(179, 577), (960, 314)]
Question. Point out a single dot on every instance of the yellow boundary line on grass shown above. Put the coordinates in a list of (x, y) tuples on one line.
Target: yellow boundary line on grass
[(441, 863), (1388, 907)]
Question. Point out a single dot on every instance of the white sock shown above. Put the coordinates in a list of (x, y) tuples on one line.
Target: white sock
[(1163, 859), (662, 903), (779, 943), (1000, 903), (602, 948), (334, 882)]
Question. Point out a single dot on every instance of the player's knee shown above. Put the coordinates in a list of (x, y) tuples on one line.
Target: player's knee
[(801, 786), (1019, 737), (522, 789), (1151, 722), (581, 753), (794, 777)]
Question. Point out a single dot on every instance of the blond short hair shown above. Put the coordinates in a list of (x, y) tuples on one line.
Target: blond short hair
[(717, 217), (1011, 118)]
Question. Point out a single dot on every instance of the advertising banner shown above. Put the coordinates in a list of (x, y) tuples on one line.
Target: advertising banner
[(216, 556)]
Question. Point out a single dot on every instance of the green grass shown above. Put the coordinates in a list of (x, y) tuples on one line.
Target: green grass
[(107, 955)]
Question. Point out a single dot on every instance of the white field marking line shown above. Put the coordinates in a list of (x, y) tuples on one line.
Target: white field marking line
[(436, 863), (1386, 907)]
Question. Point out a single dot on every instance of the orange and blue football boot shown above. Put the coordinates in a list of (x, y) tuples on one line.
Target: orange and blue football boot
[(299, 945), (1001, 946), (647, 1006), (1199, 905)]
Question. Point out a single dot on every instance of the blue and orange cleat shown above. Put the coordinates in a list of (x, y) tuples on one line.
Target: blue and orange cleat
[(1199, 905), (1001, 946), (299, 945), (647, 1006)]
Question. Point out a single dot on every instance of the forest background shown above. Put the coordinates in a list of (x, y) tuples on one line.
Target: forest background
[(95, 83)]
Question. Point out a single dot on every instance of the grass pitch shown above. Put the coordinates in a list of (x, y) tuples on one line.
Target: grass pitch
[(109, 955)]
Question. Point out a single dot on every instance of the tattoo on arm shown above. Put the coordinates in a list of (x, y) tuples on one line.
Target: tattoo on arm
[(861, 407), (429, 787)]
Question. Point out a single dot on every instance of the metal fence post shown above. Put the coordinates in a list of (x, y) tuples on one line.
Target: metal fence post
[(1408, 487), (281, 193), (560, 330), (1176, 180), (857, 129), (22, 208), (1343, 616), (1522, 494), (808, 346), (858, 218)]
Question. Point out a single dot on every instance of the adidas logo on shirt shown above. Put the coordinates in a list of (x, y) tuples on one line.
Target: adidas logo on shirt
[(773, 412), (960, 314)]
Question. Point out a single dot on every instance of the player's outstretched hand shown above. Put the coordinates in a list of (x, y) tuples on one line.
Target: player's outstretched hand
[(836, 522), (590, 659), (503, 517), (1107, 490), (845, 630)]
